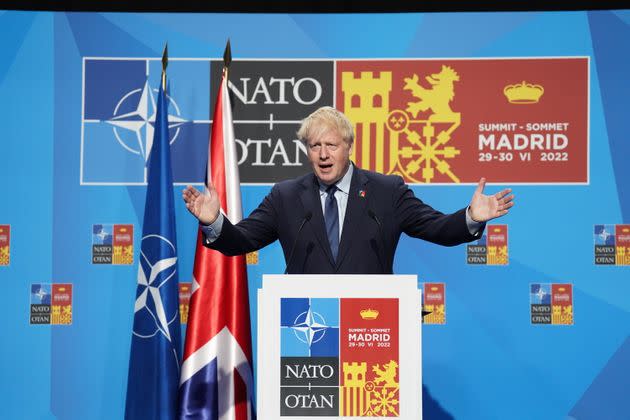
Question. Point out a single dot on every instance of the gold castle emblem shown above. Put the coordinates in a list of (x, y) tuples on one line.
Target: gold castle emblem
[(425, 127), (523, 93)]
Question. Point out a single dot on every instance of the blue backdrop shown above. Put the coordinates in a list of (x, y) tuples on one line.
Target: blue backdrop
[(487, 362)]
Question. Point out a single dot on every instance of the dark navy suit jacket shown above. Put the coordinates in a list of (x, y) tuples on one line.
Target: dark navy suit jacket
[(380, 208)]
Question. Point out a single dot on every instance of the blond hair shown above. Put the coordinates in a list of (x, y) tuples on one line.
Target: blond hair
[(325, 119)]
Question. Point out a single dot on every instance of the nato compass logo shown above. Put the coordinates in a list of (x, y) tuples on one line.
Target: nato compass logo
[(310, 327), (120, 105), (134, 129), (153, 275), (540, 303), (40, 303), (309, 335), (604, 238)]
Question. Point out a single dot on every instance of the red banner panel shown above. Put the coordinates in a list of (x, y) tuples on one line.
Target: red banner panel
[(449, 121), (368, 339)]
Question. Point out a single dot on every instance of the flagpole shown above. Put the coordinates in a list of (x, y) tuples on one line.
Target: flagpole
[(227, 59), (164, 65)]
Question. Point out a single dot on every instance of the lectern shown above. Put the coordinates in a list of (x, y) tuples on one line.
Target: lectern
[(339, 347)]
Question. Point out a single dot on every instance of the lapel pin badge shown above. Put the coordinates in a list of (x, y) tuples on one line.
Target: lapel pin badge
[(362, 193)]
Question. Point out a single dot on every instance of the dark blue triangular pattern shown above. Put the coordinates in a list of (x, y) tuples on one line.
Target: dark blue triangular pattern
[(607, 397), (15, 26), (610, 37), (96, 37)]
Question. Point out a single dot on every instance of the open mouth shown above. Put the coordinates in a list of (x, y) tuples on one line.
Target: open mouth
[(325, 166)]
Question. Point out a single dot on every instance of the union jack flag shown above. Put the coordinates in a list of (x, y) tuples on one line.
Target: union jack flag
[(217, 377)]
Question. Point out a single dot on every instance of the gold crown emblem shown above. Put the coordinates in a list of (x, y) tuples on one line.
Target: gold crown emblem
[(523, 93), (625, 230), (62, 289), (561, 289), (435, 288), (123, 230), (369, 314), (497, 230)]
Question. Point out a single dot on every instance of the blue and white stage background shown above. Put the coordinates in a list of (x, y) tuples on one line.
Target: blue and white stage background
[(531, 322)]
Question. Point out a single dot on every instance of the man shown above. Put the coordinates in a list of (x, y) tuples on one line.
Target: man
[(340, 219)]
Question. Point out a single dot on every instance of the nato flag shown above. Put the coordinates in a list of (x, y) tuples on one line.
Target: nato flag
[(154, 361)]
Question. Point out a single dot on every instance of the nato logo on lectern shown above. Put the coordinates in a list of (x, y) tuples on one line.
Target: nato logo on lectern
[(309, 357), (339, 357)]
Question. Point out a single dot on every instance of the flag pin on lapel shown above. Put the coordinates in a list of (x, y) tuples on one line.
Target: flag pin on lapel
[(362, 193)]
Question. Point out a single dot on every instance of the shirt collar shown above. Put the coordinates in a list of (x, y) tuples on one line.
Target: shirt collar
[(343, 184)]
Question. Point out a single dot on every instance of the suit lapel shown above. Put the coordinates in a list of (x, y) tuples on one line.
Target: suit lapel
[(311, 200), (357, 203)]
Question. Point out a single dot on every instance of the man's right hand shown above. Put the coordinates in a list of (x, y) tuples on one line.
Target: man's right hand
[(205, 207)]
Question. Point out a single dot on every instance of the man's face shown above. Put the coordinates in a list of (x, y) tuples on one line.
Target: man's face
[(330, 156)]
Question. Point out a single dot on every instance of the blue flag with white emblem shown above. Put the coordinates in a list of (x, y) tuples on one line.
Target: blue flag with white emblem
[(154, 361)]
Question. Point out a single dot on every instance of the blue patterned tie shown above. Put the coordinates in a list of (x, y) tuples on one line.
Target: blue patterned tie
[(331, 216)]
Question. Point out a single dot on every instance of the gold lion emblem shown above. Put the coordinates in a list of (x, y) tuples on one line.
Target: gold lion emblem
[(387, 374)]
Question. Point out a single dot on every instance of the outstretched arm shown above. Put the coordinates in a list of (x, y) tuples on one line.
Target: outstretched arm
[(251, 233), (419, 220), (204, 206), (487, 207)]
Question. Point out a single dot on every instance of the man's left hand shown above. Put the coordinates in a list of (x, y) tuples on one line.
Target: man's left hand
[(487, 207)]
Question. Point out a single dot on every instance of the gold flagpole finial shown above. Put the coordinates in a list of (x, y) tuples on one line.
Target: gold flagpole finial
[(164, 65), (227, 56)]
